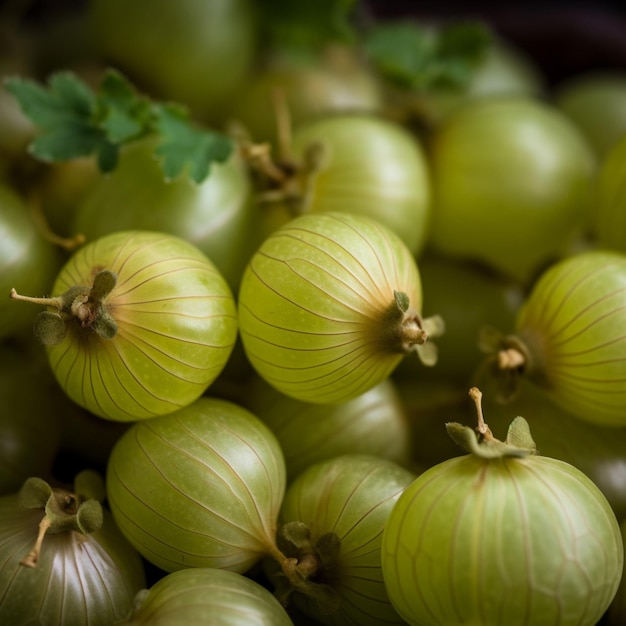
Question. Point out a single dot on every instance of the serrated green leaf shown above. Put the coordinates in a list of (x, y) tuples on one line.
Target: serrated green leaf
[(64, 114), (123, 113), (419, 57), (301, 24), (184, 148), (59, 103), (66, 142), (74, 122)]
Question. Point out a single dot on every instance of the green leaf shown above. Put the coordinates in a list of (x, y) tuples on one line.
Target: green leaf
[(301, 24), (123, 114), (420, 57), (64, 114), (74, 122), (184, 147)]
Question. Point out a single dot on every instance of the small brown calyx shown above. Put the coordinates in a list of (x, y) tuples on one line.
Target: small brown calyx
[(81, 304), (307, 566), (405, 330), (508, 359)]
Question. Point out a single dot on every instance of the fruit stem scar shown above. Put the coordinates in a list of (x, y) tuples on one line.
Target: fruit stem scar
[(511, 358)]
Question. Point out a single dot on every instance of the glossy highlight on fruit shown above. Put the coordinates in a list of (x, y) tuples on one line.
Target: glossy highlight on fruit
[(329, 305), (169, 326), (502, 535), (203, 595), (512, 178), (200, 487), (78, 578)]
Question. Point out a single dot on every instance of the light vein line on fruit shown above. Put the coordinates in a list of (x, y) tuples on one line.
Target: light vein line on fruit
[(135, 249), (455, 546), (581, 312), (349, 253), (548, 299), (125, 287), (347, 503), (304, 331), (548, 287), (87, 554), (186, 496), (526, 539), (129, 396), (367, 243), (357, 381), (158, 556), (260, 515), (343, 357), (556, 494), (138, 381), (136, 342), (82, 574), (287, 263), (427, 486), (360, 545), (175, 338)]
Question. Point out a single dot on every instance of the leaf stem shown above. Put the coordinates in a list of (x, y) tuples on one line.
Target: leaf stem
[(67, 243)]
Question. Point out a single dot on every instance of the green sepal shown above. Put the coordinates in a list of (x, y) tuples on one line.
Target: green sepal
[(518, 443), (50, 328), (328, 549), (34, 493), (402, 300), (89, 517), (103, 283), (519, 435), (105, 326), (427, 352), (294, 538), (308, 564), (89, 484)]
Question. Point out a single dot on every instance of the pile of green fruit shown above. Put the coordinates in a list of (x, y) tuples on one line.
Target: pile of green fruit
[(310, 317)]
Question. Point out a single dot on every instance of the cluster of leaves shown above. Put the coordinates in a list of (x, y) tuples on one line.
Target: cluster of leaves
[(76, 121), (411, 54)]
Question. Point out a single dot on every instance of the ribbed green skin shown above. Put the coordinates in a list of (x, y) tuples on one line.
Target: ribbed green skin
[(201, 487), (521, 542), (351, 496), (313, 302), (177, 325), (79, 579), (199, 595), (573, 326)]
